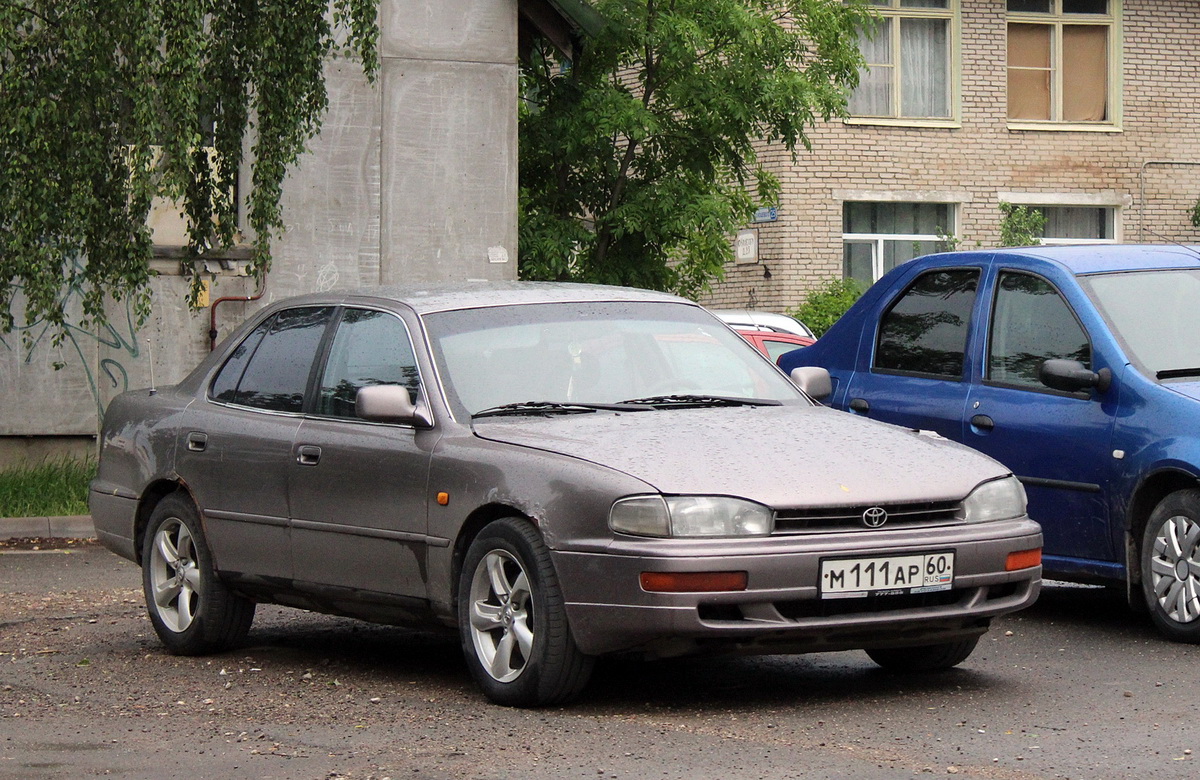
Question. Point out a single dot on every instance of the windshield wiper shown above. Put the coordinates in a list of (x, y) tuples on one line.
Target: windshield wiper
[(552, 407), (686, 400), (1177, 373)]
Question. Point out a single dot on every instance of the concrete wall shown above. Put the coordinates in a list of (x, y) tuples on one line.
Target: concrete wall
[(413, 178)]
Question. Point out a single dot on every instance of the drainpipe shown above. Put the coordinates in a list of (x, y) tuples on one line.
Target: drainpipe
[(1142, 189), (212, 310)]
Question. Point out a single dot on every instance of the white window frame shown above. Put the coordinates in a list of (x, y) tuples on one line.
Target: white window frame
[(877, 240), (1056, 19), (1113, 202), (891, 9)]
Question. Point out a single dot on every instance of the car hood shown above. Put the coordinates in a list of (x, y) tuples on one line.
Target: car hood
[(780, 456), (1187, 389)]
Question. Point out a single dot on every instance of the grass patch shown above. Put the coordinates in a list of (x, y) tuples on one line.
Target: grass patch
[(52, 488)]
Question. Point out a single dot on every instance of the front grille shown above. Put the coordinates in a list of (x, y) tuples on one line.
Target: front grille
[(850, 518)]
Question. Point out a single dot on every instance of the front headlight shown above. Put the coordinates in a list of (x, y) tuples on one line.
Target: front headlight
[(689, 516), (1000, 499)]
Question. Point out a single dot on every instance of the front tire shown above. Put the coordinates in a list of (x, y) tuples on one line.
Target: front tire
[(1171, 566), (512, 620), (190, 608), (929, 658)]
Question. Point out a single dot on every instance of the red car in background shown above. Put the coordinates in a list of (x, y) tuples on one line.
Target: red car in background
[(772, 343)]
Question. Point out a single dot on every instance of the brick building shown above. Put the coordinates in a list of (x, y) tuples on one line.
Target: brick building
[(1089, 109)]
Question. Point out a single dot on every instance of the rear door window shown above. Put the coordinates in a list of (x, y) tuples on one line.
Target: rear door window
[(925, 330), (276, 369)]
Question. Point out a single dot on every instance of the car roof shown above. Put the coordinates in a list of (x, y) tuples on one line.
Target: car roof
[(435, 297), (1079, 259)]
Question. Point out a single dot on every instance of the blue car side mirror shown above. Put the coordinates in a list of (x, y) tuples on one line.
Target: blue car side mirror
[(1072, 376)]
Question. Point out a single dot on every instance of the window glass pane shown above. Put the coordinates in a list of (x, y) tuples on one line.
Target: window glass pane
[(858, 217), (1077, 222), (873, 95), (1085, 73), (1029, 71), (925, 331), (897, 252), (370, 348), (224, 387), (924, 3), (1029, 6), (1085, 6), (277, 375), (925, 67), (1031, 324), (856, 262)]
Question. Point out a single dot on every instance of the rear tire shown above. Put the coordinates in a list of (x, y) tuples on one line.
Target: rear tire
[(512, 620), (929, 658), (191, 610), (1171, 566)]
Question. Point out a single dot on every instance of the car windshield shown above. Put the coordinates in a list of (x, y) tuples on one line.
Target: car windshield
[(1156, 315), (533, 358)]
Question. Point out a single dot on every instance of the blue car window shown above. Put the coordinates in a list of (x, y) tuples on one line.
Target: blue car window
[(925, 330), (1031, 323)]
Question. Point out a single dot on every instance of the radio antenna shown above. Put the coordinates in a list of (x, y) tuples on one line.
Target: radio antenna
[(150, 355)]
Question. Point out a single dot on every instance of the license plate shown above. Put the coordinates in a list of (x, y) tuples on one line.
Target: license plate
[(898, 574)]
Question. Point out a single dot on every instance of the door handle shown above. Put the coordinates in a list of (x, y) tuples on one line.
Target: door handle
[(197, 441), (308, 455), (860, 405), (983, 422)]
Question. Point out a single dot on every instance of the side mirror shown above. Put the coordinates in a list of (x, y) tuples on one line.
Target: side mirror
[(814, 381), (391, 404), (1072, 376)]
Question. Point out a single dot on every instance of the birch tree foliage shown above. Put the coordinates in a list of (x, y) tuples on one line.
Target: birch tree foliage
[(641, 159), (108, 104)]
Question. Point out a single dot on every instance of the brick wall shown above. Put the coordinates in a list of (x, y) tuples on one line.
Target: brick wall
[(1140, 168)]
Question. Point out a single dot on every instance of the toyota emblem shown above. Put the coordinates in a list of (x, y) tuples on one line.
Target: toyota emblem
[(874, 517)]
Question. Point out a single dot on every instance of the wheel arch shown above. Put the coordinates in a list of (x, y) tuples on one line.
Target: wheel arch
[(152, 496), (1149, 494), (476, 522)]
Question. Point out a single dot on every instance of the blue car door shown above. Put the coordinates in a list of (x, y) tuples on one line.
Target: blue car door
[(1058, 443), (913, 372)]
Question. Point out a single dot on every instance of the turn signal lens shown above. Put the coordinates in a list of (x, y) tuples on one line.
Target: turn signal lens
[(693, 581), (1025, 559)]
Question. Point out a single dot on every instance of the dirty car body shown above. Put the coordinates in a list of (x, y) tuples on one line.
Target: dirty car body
[(560, 472)]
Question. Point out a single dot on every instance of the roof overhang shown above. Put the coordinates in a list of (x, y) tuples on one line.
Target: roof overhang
[(564, 23)]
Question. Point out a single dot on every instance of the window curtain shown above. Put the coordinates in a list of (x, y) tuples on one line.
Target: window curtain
[(1085, 73), (873, 97), (1076, 222), (1029, 71), (924, 68)]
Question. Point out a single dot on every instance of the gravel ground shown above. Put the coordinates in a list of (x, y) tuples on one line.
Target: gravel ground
[(1075, 688)]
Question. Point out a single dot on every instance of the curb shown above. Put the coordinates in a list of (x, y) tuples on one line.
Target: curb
[(73, 527)]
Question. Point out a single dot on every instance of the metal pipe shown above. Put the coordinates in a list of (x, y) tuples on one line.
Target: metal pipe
[(212, 310), (1142, 189)]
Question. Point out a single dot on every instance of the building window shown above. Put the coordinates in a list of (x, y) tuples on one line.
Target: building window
[(908, 73), (1060, 60), (1078, 224), (878, 236)]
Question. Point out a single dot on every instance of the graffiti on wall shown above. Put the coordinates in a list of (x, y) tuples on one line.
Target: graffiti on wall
[(106, 376)]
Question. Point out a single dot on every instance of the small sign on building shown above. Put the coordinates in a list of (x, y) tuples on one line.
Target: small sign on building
[(746, 246)]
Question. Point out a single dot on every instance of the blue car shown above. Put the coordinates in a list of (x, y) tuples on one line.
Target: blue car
[(1078, 367)]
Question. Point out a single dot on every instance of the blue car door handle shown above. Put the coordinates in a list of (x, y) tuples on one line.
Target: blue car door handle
[(983, 422), (308, 455), (860, 405)]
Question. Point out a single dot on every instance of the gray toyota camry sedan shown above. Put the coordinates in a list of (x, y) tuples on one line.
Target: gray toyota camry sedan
[(559, 472)]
